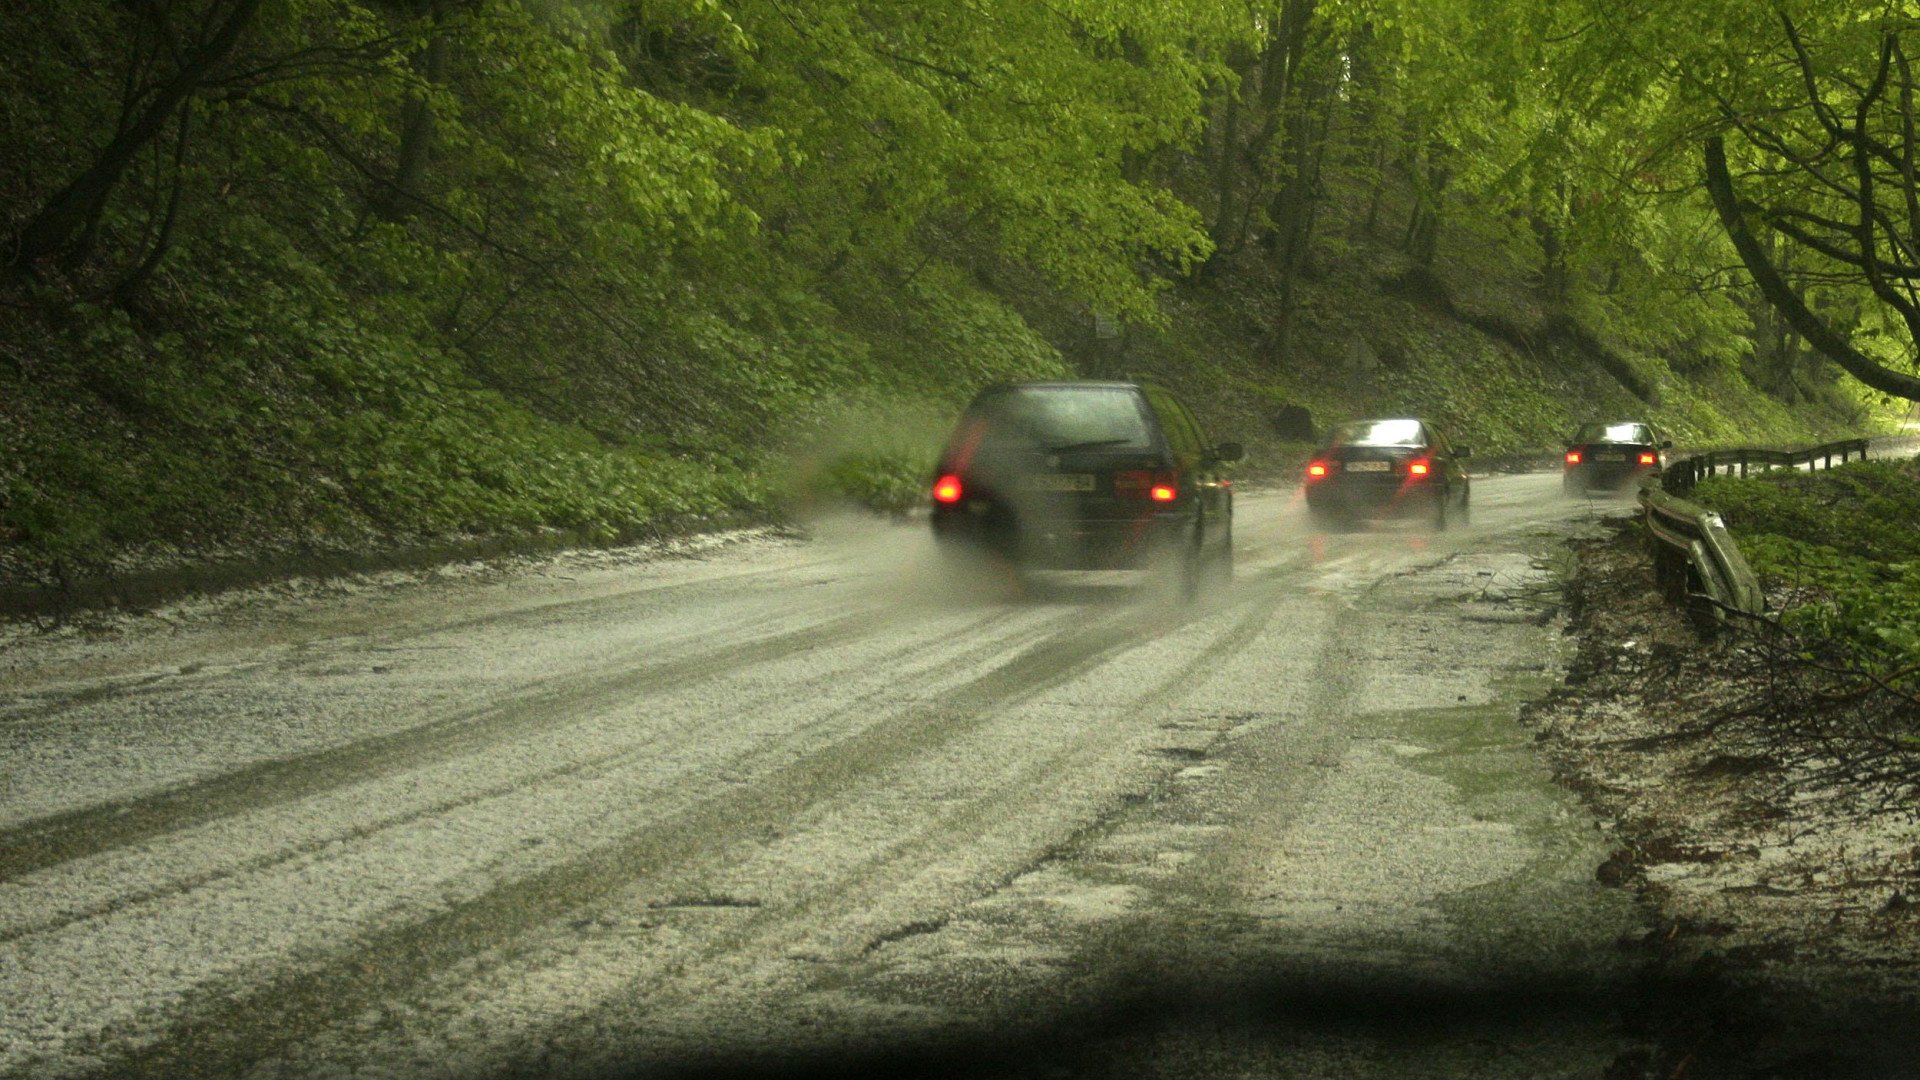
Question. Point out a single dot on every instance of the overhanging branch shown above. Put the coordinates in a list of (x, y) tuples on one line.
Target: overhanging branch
[(1780, 294)]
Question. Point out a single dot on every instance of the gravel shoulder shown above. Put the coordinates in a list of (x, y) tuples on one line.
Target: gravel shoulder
[(1788, 895)]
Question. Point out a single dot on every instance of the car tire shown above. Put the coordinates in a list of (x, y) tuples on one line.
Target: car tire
[(1570, 487), (1192, 569), (1466, 505), (1440, 501), (1223, 562)]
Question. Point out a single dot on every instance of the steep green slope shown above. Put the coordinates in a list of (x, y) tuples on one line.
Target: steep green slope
[(239, 434)]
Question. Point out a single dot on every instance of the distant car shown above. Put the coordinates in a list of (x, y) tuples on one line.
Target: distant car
[(1081, 475), (1392, 466), (1613, 455)]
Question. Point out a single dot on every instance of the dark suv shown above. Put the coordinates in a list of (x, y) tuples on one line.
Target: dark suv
[(1086, 476)]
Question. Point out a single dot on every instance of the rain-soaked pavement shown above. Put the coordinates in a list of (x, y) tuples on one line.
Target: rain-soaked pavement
[(815, 807)]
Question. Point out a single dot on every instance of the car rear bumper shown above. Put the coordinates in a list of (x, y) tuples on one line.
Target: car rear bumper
[(1120, 544), (1608, 474), (1349, 495)]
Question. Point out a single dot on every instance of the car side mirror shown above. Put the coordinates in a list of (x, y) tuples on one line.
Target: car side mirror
[(1228, 451), (1462, 451), (1666, 444)]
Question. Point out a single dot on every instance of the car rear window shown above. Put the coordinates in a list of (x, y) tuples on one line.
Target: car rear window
[(1379, 433), (1062, 417), (1627, 433)]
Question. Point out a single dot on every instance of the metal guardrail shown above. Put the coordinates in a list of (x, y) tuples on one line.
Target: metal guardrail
[(1683, 474), (1693, 554)]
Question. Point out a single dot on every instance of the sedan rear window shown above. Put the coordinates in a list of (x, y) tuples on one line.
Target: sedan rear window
[(1379, 433), (1619, 433), (1068, 417)]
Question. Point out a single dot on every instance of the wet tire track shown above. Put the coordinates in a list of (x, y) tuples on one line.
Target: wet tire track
[(48, 705), (770, 929), (218, 1031), (49, 841), (576, 768)]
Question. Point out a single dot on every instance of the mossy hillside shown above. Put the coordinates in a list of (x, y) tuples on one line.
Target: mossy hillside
[(273, 407)]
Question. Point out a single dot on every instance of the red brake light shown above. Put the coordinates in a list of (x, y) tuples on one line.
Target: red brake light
[(1317, 470), (1573, 457), (1646, 459), (1161, 485), (1418, 468), (947, 489)]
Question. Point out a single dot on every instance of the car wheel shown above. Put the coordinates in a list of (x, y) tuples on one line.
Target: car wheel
[(1440, 500), (1466, 508), (1223, 561), (1569, 486), (1193, 566)]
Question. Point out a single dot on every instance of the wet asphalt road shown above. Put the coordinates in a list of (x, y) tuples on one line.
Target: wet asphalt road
[(817, 807)]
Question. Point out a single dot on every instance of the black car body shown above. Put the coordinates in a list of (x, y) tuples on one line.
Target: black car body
[(1612, 455), (1400, 465), (1083, 476)]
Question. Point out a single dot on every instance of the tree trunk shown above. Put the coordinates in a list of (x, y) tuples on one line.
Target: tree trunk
[(1228, 218), (70, 209), (399, 199)]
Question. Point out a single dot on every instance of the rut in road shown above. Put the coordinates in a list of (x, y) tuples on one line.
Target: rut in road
[(43, 919), (49, 841), (378, 632), (217, 1032)]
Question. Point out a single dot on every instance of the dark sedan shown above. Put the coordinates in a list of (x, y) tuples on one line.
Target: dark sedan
[(1612, 455), (1393, 466), (1086, 476)]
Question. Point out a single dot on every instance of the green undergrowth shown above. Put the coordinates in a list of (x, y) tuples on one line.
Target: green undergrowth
[(270, 400), (1845, 544), (272, 408), (1361, 348)]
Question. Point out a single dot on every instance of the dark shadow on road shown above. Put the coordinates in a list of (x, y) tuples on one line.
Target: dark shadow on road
[(1694, 1024)]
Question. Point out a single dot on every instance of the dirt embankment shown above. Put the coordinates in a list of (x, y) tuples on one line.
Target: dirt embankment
[(1787, 889)]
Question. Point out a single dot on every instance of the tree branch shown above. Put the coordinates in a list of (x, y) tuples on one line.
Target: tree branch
[(52, 228), (1781, 295)]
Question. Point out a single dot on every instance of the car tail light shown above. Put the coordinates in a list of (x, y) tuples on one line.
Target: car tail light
[(1573, 457), (1160, 486), (1317, 470), (948, 489), (1418, 468), (1646, 459)]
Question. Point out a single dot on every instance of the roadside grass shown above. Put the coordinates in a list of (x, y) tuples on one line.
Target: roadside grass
[(1842, 546)]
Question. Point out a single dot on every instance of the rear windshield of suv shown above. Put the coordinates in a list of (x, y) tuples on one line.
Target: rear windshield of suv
[(1067, 417), (1626, 433), (1379, 433)]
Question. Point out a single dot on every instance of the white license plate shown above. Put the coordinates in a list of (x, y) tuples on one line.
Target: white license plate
[(1369, 466), (1060, 482), (1609, 457)]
